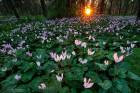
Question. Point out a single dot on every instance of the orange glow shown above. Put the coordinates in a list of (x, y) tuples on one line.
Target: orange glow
[(88, 11)]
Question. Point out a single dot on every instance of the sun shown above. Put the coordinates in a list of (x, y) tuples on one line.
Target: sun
[(88, 11)]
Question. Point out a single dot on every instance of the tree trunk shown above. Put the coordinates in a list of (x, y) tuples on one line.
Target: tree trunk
[(110, 8), (132, 8), (101, 7), (9, 5), (14, 9), (126, 5), (69, 7), (120, 7), (43, 6), (138, 14)]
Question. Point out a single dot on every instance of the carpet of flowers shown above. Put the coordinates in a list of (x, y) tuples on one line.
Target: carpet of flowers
[(66, 56)]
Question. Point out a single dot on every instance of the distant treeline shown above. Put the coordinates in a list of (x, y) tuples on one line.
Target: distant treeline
[(65, 8)]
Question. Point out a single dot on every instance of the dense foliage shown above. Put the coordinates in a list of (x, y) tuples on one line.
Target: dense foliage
[(66, 56)]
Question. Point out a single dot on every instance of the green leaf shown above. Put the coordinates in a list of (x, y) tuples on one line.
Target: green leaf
[(133, 76), (94, 76), (106, 84), (35, 83), (22, 89), (102, 66), (87, 91), (76, 73), (41, 53), (27, 76), (73, 90), (9, 81), (110, 56), (26, 66), (64, 90), (49, 66), (122, 85), (122, 72), (52, 82)]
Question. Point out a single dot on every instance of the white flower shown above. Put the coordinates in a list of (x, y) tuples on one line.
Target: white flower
[(128, 48), (128, 42), (90, 52), (90, 37), (42, 86), (17, 77), (57, 58), (106, 62), (87, 83), (59, 77), (83, 61), (122, 50), (14, 60), (132, 45), (68, 56), (63, 55), (52, 71), (104, 43), (84, 44), (38, 63), (97, 44), (39, 57), (121, 37), (4, 69), (73, 53)]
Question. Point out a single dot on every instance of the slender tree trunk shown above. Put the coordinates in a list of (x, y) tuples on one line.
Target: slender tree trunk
[(132, 8), (110, 8), (14, 9), (138, 14), (43, 6), (69, 7), (126, 7), (120, 6), (101, 7), (6, 8), (10, 7)]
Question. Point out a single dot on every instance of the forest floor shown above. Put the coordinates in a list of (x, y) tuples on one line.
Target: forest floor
[(61, 53)]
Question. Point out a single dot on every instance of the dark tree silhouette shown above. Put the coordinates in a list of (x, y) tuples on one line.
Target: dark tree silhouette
[(138, 14), (14, 9), (43, 6), (110, 7), (101, 6), (11, 5)]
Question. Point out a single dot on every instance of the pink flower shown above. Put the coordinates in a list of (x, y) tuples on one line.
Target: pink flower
[(77, 42), (7, 46), (3, 50), (53, 55), (87, 83), (29, 54), (118, 59)]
